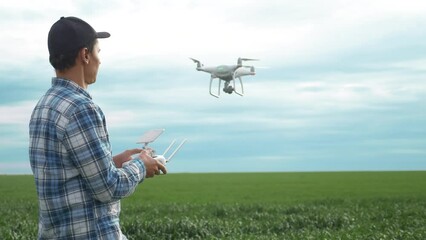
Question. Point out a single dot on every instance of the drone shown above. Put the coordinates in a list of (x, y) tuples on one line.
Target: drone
[(227, 73), (150, 136)]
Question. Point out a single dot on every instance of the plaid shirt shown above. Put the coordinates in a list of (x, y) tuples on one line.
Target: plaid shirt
[(78, 186)]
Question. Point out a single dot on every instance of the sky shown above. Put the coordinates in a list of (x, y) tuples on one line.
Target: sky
[(340, 85)]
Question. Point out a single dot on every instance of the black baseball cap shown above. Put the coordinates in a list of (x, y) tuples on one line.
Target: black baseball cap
[(69, 34)]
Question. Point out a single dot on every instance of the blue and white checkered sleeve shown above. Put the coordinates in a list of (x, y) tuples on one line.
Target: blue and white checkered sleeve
[(87, 143)]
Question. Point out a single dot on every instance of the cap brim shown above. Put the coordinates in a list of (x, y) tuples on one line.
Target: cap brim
[(102, 35)]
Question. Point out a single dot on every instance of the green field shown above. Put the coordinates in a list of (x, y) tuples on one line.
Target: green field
[(325, 205)]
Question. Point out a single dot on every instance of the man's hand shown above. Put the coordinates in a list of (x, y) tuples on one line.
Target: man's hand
[(152, 166), (125, 156)]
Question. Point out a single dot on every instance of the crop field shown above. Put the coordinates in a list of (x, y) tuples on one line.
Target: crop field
[(323, 205)]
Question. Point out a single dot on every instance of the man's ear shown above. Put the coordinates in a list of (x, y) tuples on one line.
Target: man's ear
[(84, 55)]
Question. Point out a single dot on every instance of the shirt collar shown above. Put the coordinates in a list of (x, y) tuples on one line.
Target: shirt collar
[(69, 85)]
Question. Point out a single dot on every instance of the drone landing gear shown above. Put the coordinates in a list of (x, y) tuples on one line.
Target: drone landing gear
[(227, 88), (218, 91), (241, 83)]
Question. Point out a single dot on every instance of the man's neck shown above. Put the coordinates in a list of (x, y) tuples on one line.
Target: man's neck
[(74, 74)]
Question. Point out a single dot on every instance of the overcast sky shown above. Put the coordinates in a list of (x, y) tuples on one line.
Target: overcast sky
[(340, 85)]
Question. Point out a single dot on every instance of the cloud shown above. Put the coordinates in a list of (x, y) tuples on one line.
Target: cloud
[(162, 32), (16, 114)]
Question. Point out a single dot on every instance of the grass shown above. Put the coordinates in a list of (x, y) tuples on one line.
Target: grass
[(325, 205), (280, 188)]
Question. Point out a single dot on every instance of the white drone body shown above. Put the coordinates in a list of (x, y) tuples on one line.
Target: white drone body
[(227, 73), (150, 136)]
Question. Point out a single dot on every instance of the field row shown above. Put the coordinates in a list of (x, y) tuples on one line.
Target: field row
[(363, 205)]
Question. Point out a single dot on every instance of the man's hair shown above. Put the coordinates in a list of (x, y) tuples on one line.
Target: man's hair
[(63, 62)]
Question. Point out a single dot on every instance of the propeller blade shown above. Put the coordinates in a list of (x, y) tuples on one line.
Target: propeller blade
[(199, 65), (249, 59), (240, 60), (195, 60)]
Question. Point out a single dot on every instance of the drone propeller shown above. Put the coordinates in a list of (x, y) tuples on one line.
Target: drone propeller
[(197, 62), (240, 60), (249, 59)]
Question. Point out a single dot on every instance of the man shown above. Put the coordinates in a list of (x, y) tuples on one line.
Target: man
[(79, 183)]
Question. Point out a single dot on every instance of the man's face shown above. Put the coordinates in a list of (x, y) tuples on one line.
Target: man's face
[(92, 67)]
